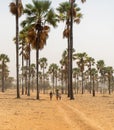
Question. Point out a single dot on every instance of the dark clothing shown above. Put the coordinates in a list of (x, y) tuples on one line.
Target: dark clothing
[(51, 95)]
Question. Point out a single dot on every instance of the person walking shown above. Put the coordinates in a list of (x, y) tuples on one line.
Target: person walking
[(51, 95)]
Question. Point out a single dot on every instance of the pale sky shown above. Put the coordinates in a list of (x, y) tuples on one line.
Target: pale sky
[(94, 35)]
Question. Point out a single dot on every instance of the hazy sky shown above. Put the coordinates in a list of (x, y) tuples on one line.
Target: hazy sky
[(94, 35)]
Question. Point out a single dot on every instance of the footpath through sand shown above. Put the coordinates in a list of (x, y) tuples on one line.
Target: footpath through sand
[(28, 113)]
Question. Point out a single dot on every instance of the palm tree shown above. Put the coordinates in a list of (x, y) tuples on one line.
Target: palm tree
[(64, 10), (38, 15), (16, 9), (53, 70), (90, 63), (32, 72), (108, 71), (60, 78), (25, 73), (4, 59), (28, 59), (22, 42), (93, 75), (64, 66), (100, 65), (76, 72), (43, 65), (72, 14), (81, 62)]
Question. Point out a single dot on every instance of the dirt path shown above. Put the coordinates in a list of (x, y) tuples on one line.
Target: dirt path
[(76, 119), (28, 113)]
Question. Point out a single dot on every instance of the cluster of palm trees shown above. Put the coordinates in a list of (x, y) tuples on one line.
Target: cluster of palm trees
[(88, 75), (34, 33), (93, 72), (35, 30), (4, 72)]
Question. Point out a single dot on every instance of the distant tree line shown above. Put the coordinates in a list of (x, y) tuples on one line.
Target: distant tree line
[(5, 80)]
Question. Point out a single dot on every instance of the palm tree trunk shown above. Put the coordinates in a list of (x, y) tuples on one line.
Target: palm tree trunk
[(32, 84), (3, 76), (17, 53), (90, 81), (77, 84), (82, 83), (37, 64), (43, 82), (29, 73), (93, 87), (53, 82), (26, 84), (26, 78), (70, 53), (109, 85), (37, 55), (56, 80), (62, 91), (68, 60), (22, 71)]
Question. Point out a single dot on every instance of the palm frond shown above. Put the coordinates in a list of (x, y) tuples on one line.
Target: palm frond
[(20, 9), (77, 20), (46, 28), (66, 33), (13, 9), (83, 1), (51, 18)]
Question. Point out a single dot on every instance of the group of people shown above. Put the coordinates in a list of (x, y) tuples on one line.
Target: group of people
[(58, 95)]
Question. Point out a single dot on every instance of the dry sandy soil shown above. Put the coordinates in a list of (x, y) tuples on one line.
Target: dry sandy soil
[(83, 113)]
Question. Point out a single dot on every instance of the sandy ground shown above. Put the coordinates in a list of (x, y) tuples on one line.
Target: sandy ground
[(83, 113)]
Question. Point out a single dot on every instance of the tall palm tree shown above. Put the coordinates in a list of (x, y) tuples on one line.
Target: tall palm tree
[(43, 65), (93, 75), (81, 59), (72, 14), (22, 43), (25, 73), (28, 59), (53, 70), (108, 71), (64, 66), (64, 10), (90, 63), (32, 72), (100, 67), (4, 59), (39, 13), (29, 36), (76, 72), (16, 9)]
